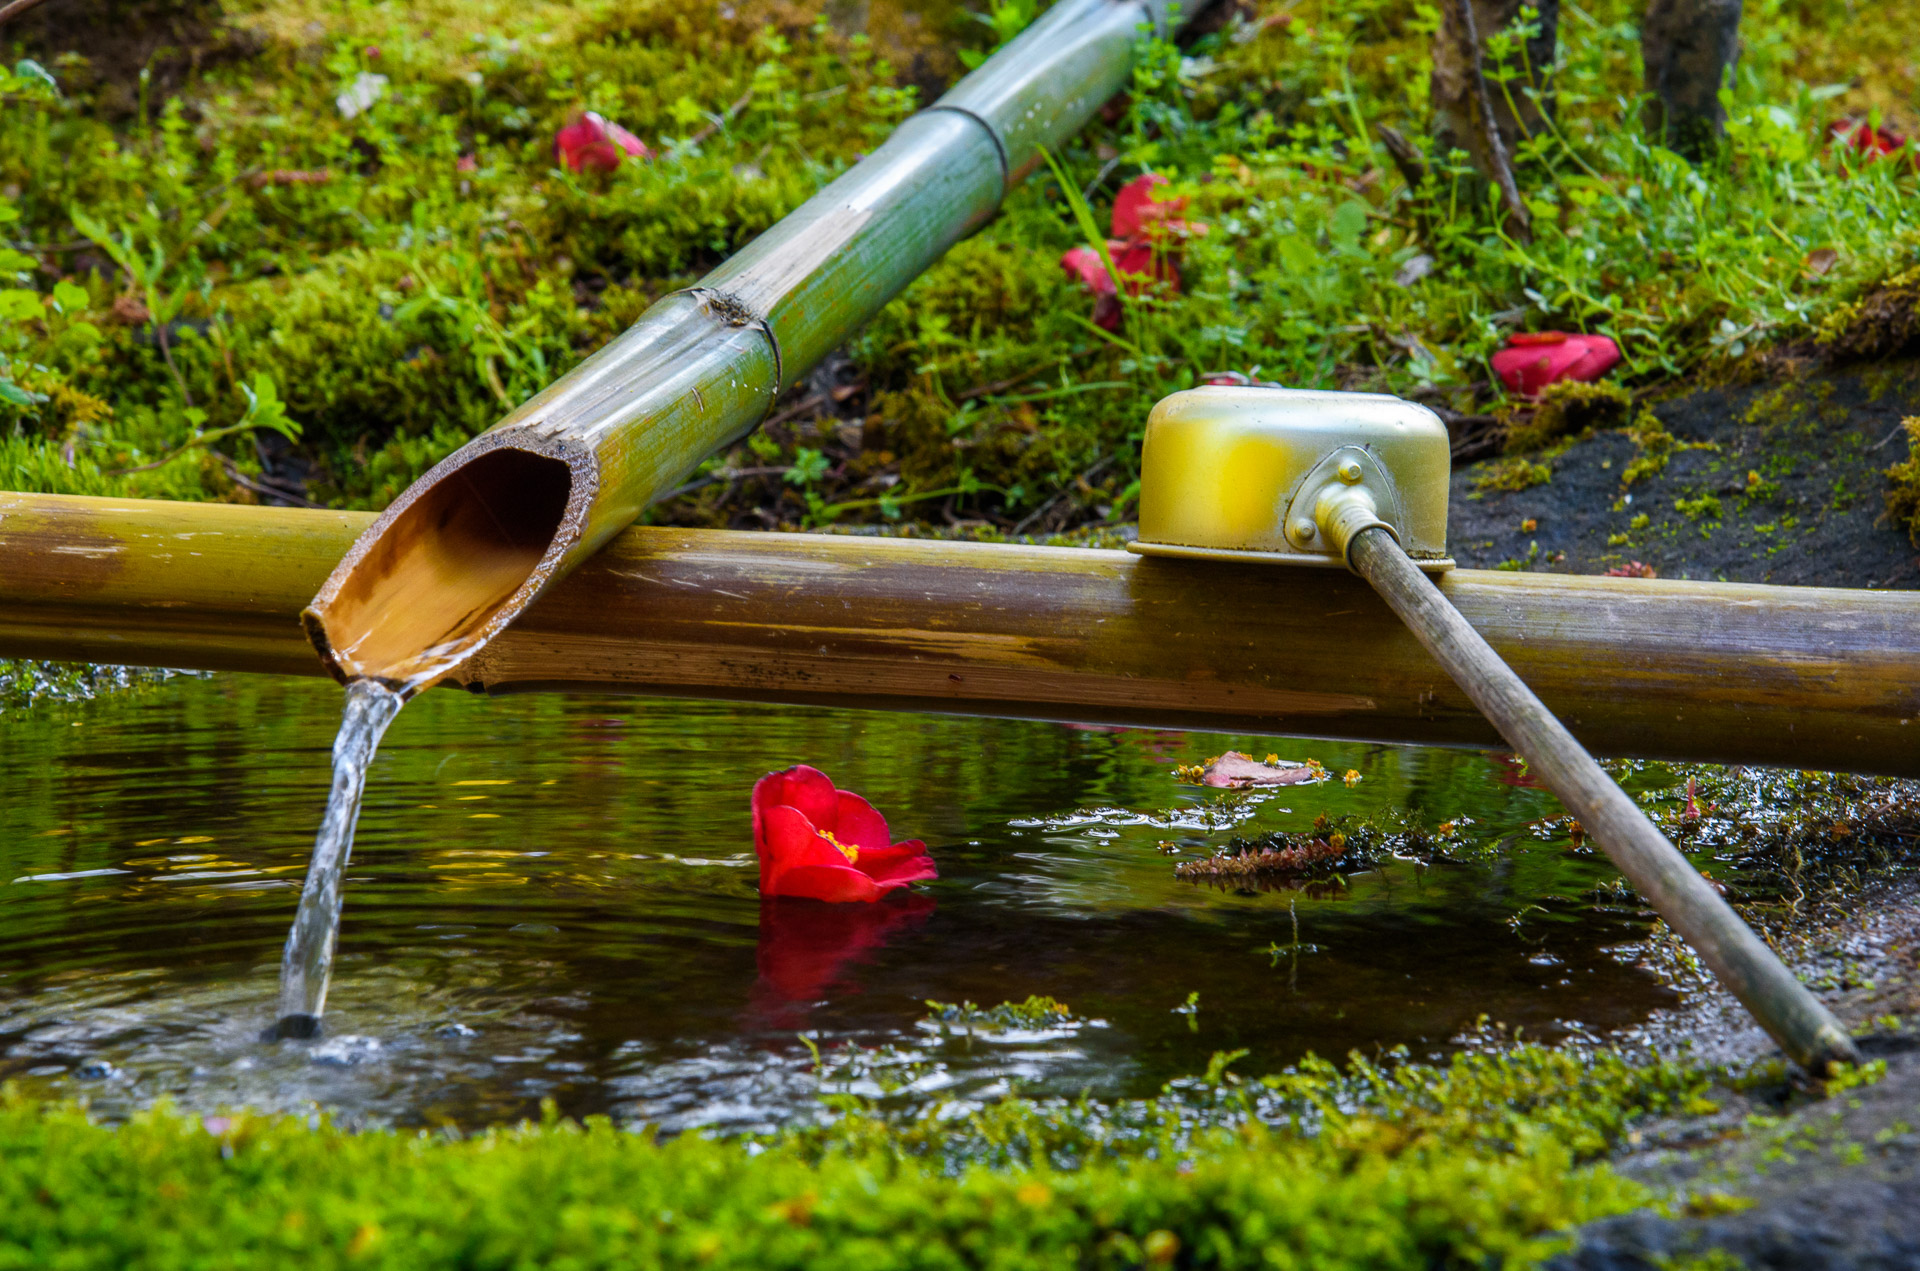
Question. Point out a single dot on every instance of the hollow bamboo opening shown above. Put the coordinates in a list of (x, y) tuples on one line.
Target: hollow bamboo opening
[(423, 594)]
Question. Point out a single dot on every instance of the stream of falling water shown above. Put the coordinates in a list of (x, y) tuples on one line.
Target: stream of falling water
[(307, 963)]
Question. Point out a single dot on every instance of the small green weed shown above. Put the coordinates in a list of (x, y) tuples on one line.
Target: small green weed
[(1512, 475)]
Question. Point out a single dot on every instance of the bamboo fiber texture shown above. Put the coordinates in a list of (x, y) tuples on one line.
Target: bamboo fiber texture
[(1794, 676), (1746, 966)]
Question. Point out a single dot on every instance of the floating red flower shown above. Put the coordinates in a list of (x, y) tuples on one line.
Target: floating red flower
[(1141, 254), (1534, 359), (827, 844), (594, 142)]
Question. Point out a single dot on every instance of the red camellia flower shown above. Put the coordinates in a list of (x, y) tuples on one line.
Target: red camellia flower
[(594, 142), (1534, 359), (1869, 142), (1141, 227), (827, 844)]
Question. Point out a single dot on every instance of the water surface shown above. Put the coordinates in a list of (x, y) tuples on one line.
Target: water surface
[(554, 898)]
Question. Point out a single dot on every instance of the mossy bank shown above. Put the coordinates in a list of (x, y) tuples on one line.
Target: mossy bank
[(266, 252)]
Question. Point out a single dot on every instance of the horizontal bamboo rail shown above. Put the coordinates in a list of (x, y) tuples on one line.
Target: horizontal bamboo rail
[(1796, 676)]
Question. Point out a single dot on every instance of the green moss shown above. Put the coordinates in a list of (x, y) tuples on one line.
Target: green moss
[(1476, 1162), (1512, 475), (1705, 507), (1903, 489), (1882, 322), (1568, 408), (1656, 446)]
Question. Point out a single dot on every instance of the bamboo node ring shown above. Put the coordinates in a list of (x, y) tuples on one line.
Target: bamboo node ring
[(737, 312), (993, 135)]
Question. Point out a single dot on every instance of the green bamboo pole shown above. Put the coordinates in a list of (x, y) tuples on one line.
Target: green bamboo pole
[(464, 550), (1798, 677)]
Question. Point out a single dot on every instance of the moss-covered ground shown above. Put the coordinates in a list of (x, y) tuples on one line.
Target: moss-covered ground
[(1775, 481), (219, 284), (1477, 1163)]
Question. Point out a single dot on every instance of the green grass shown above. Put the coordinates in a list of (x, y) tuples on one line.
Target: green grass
[(1476, 1163), (404, 303)]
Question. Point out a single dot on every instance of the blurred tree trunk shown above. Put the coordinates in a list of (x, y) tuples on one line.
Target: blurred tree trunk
[(1461, 68), (1687, 47)]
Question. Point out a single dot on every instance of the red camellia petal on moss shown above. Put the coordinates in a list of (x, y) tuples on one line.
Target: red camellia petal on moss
[(1140, 264), (1531, 362), (827, 844), (1142, 227), (594, 142), (1135, 208), (1084, 264)]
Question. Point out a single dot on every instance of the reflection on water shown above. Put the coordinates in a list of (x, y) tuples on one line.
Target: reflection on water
[(554, 898)]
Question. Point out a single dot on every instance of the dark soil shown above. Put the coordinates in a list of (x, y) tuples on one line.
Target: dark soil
[(1787, 485), (99, 47)]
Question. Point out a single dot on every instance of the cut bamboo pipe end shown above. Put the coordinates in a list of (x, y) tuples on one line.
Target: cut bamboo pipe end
[(452, 561), (469, 546)]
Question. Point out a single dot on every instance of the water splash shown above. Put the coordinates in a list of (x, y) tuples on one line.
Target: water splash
[(307, 964)]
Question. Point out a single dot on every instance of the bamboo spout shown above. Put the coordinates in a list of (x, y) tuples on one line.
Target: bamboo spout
[(457, 559), (433, 581)]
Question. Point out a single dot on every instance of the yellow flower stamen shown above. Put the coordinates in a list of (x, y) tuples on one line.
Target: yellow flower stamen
[(850, 851)]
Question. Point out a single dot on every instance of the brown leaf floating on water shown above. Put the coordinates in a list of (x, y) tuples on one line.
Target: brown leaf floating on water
[(1294, 859)]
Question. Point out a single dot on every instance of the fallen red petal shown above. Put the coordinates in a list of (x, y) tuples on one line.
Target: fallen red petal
[(1235, 771), (1136, 211), (1084, 264), (592, 141), (1865, 139), (1529, 363)]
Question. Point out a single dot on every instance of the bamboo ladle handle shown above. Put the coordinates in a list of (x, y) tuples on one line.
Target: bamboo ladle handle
[(1744, 964)]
